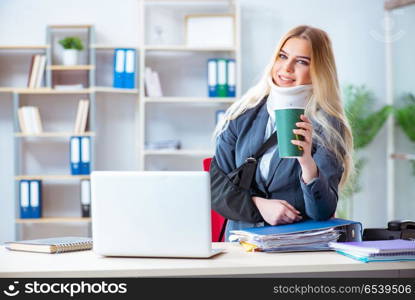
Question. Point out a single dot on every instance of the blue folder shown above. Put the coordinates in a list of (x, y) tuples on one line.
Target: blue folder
[(24, 199), (119, 68), (85, 167), (212, 76), (303, 226), (35, 198), (75, 155), (128, 80)]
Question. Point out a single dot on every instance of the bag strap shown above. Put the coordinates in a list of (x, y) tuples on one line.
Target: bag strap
[(271, 141)]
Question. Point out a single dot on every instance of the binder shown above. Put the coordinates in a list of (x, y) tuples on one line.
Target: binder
[(75, 155), (24, 199), (222, 87), (85, 198), (119, 63), (212, 77), (130, 69), (35, 199), (303, 226), (231, 77), (85, 155)]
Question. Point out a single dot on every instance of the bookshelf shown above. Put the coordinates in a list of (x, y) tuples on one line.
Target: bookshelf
[(183, 60), (186, 93)]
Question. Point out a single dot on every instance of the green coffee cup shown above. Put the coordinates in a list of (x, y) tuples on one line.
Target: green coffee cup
[(285, 120)]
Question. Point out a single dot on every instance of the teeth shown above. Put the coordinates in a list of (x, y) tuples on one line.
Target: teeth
[(286, 78)]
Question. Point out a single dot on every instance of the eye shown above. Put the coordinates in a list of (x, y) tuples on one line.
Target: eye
[(303, 62), (283, 56)]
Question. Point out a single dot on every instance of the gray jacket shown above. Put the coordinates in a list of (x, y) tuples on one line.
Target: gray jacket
[(243, 137)]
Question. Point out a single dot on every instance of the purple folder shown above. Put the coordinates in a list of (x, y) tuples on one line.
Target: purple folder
[(383, 246)]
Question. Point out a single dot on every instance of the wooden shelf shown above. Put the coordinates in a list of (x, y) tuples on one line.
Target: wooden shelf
[(6, 90), (51, 177), (112, 47), (52, 134), (403, 156), (70, 68), (78, 26), (51, 91), (54, 220), (102, 89), (168, 152), (187, 48), (24, 47), (189, 100)]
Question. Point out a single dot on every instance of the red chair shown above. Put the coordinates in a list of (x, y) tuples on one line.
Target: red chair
[(218, 222)]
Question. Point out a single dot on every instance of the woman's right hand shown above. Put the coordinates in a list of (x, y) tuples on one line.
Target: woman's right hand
[(276, 212)]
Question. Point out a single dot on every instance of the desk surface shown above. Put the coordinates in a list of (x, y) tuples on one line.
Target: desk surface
[(233, 262)]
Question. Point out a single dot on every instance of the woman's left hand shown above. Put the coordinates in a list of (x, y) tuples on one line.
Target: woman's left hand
[(306, 161)]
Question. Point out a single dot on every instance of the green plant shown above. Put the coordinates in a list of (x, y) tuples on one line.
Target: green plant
[(365, 124), (405, 118), (72, 42)]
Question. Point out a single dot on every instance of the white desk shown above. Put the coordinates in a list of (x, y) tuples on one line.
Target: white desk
[(233, 263)]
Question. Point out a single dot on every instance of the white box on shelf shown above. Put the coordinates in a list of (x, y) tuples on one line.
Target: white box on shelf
[(210, 30)]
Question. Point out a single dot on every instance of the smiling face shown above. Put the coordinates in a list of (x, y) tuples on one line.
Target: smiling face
[(292, 66)]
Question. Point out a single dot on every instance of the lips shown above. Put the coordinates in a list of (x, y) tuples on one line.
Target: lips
[(285, 78)]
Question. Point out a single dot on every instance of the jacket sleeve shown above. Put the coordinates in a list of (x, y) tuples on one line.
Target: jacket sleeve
[(225, 148), (321, 194)]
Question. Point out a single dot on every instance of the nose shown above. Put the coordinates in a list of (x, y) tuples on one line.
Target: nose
[(289, 66)]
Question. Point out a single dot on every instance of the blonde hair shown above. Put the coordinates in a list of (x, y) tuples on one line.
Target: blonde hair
[(325, 102)]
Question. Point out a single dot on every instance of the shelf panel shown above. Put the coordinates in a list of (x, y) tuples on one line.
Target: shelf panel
[(102, 89), (70, 26), (403, 156), (51, 177), (51, 91), (189, 100), (70, 68), (23, 47), (54, 220), (112, 47), (187, 48), (53, 134), (168, 152), (6, 89)]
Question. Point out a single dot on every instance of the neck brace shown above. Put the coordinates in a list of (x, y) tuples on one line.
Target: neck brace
[(287, 97)]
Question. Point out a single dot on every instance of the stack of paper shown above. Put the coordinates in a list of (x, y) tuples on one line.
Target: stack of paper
[(308, 235), (384, 250)]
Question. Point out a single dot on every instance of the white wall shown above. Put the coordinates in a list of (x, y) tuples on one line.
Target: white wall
[(350, 24)]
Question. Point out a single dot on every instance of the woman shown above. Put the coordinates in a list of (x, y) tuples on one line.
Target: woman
[(288, 190)]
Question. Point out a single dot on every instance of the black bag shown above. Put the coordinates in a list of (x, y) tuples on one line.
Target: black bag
[(231, 193)]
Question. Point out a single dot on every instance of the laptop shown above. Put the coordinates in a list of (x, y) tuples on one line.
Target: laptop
[(151, 214)]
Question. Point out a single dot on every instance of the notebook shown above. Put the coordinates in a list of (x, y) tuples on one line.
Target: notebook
[(381, 246), (51, 245)]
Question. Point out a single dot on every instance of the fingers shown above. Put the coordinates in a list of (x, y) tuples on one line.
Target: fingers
[(304, 133), (289, 206)]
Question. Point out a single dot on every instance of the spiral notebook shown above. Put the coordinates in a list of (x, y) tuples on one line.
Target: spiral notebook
[(51, 245)]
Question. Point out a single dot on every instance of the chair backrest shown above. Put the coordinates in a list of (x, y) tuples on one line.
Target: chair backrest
[(217, 220)]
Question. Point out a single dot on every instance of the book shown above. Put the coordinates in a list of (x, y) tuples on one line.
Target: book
[(376, 247), (22, 124), (29, 78), (308, 235), (152, 83), (40, 71), (405, 256), (119, 68), (34, 71), (51, 245), (84, 117)]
